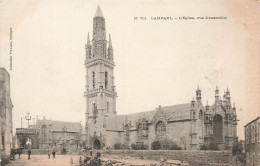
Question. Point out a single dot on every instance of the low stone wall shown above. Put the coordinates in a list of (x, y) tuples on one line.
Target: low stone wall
[(195, 158)]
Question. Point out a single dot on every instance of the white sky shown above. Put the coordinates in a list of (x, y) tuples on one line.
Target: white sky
[(157, 62)]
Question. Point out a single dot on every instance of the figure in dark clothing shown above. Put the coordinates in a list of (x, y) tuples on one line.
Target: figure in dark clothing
[(19, 151), (53, 151), (53, 154), (12, 155), (80, 160), (29, 154)]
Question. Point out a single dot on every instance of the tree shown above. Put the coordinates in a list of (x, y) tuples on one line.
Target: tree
[(237, 148), (156, 145), (118, 146)]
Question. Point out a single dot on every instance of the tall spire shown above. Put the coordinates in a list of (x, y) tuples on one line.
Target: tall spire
[(99, 12)]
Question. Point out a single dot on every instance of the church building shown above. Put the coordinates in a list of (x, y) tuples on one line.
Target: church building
[(190, 125)]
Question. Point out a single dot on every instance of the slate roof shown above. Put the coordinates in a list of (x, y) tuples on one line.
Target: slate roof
[(58, 125), (213, 107), (115, 123)]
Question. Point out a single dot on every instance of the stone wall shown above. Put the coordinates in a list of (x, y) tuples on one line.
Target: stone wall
[(178, 131), (196, 158)]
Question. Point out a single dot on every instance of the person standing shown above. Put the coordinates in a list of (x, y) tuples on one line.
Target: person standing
[(29, 154), (19, 151), (49, 153), (80, 161), (53, 151), (71, 161)]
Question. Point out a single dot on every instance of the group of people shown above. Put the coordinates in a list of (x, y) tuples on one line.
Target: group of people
[(52, 151), (91, 160), (19, 152), (14, 152)]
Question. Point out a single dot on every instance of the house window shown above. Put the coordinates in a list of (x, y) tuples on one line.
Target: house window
[(193, 115), (93, 80), (253, 134), (258, 133), (106, 81), (247, 135)]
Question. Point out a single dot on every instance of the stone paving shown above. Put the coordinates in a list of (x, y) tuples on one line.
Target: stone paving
[(42, 160), (64, 160)]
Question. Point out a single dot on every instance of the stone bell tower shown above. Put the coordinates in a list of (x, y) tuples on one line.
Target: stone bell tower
[(100, 91)]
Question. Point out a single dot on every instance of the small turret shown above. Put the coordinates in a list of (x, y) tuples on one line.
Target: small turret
[(228, 94), (234, 109), (216, 94), (228, 99), (224, 99), (88, 48), (198, 94), (110, 49), (207, 107)]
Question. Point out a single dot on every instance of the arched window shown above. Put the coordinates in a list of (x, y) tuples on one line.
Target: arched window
[(217, 128), (127, 134), (44, 133), (93, 80), (94, 107), (193, 115), (160, 130), (200, 114), (139, 131), (106, 80)]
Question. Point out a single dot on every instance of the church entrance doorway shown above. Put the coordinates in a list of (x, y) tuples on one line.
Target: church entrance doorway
[(217, 128), (97, 144)]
